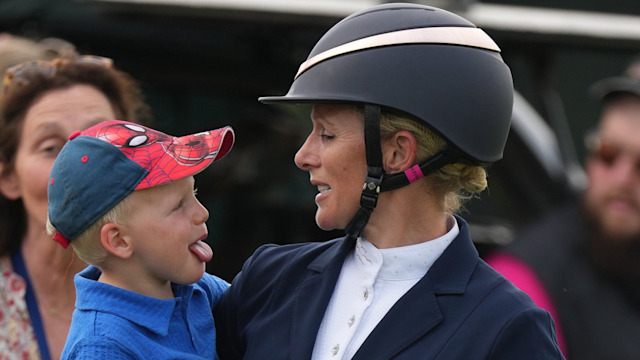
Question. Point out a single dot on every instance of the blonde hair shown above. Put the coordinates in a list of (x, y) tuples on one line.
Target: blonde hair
[(456, 182), (88, 245)]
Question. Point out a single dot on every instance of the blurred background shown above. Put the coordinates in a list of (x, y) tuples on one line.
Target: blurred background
[(203, 63)]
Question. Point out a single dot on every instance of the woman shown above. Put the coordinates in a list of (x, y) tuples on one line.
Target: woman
[(414, 102), (42, 104)]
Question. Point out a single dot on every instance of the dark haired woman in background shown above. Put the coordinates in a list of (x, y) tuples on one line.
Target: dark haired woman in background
[(42, 104)]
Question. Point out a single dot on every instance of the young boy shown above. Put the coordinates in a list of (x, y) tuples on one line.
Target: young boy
[(123, 196)]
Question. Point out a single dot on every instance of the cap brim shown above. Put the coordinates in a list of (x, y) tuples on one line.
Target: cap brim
[(228, 138), (189, 155), (603, 88)]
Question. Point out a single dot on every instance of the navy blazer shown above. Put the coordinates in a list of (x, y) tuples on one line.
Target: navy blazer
[(461, 309)]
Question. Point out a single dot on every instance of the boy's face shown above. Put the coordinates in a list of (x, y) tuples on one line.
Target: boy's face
[(166, 226)]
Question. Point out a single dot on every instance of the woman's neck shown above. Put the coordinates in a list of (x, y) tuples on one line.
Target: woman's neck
[(51, 269), (50, 266), (403, 218)]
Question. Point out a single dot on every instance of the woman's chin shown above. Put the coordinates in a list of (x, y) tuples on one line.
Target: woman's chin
[(327, 224)]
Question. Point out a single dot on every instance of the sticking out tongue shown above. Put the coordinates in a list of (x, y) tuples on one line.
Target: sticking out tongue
[(202, 250)]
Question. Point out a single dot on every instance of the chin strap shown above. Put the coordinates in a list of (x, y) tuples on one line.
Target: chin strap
[(377, 181), (375, 172)]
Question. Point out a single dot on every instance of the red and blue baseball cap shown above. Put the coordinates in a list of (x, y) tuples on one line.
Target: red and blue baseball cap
[(100, 166)]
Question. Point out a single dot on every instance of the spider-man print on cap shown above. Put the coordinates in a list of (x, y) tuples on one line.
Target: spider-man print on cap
[(100, 166), (166, 157)]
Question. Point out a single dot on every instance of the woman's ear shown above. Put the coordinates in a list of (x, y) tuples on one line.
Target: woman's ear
[(9, 185), (114, 241), (399, 151)]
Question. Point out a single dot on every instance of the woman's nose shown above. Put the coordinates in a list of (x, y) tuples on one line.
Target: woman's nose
[(305, 158)]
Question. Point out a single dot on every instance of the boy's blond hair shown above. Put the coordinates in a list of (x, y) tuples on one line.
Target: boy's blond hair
[(88, 244)]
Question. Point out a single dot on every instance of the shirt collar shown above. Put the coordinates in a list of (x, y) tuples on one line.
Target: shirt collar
[(404, 262), (151, 313)]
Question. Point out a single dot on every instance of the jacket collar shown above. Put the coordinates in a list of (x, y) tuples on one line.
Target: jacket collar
[(335, 254), (449, 274), (313, 295), (408, 319), (418, 312)]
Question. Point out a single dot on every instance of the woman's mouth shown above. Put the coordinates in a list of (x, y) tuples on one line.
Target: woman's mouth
[(323, 191)]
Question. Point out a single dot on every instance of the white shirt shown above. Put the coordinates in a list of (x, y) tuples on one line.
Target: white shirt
[(370, 283)]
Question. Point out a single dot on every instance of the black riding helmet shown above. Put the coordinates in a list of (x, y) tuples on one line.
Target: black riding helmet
[(414, 59)]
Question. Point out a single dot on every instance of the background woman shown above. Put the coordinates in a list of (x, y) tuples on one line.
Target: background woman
[(42, 104)]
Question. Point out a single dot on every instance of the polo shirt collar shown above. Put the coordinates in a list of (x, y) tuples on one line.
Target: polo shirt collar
[(151, 313)]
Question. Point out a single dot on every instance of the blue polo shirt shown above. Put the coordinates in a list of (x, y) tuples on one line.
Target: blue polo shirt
[(113, 323)]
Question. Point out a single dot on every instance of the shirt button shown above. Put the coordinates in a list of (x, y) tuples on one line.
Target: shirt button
[(366, 294), (335, 350), (351, 321)]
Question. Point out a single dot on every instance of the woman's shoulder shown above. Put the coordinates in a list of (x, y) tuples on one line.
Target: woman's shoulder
[(294, 249), (16, 331), (500, 293), (273, 261)]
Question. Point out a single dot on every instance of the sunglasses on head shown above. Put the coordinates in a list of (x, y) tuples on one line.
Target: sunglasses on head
[(29, 69), (608, 152)]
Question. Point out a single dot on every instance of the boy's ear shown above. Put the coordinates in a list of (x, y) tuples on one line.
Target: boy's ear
[(114, 242), (9, 185), (399, 152)]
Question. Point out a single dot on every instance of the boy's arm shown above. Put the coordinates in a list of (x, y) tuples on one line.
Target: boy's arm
[(214, 287), (97, 348)]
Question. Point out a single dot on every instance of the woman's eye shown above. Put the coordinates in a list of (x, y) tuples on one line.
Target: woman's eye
[(326, 136), (51, 148)]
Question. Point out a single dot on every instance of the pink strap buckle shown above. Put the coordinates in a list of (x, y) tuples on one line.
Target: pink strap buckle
[(413, 173)]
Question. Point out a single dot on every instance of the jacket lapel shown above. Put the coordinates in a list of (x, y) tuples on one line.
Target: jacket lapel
[(312, 297), (418, 312), (405, 322)]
